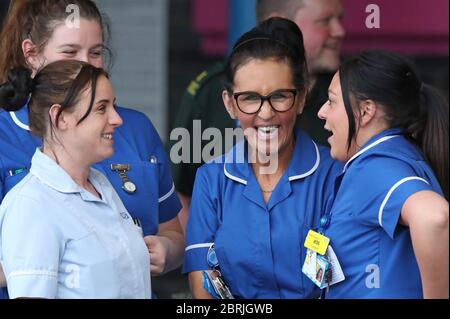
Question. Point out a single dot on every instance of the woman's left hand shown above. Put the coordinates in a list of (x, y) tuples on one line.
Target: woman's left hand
[(166, 248), (157, 247)]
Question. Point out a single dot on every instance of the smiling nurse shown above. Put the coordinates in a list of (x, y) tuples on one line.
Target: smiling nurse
[(35, 34), (64, 231), (253, 220)]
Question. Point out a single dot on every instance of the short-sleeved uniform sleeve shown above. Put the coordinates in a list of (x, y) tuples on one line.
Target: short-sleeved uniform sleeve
[(152, 147), (203, 222), (155, 200), (381, 185), (169, 203), (29, 250)]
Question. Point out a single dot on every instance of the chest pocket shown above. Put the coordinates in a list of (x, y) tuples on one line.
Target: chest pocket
[(142, 204)]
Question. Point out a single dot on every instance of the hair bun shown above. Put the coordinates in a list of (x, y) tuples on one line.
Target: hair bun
[(285, 31), (14, 93)]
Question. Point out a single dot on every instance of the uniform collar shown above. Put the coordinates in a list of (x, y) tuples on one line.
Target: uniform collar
[(20, 118), (305, 160), (373, 142), (54, 176)]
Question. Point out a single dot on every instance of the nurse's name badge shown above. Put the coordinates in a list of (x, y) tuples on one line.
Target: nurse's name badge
[(127, 185), (317, 242)]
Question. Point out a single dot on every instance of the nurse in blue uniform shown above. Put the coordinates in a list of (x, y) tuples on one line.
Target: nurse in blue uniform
[(252, 207), (388, 225), (138, 170)]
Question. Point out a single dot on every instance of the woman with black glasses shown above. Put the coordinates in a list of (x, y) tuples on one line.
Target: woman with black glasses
[(252, 208)]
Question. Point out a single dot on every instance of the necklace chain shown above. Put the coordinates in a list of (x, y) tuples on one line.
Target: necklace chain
[(267, 191)]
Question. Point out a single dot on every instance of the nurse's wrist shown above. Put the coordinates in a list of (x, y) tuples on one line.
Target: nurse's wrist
[(173, 243)]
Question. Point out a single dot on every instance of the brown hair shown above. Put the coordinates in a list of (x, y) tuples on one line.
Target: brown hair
[(36, 20), (275, 38), (61, 82)]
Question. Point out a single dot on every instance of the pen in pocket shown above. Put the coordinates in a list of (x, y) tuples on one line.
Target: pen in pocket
[(16, 171)]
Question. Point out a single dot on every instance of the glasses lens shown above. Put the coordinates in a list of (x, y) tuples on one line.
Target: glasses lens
[(249, 102), (282, 100)]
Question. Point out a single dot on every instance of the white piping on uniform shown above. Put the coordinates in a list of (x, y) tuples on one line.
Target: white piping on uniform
[(167, 195), (32, 272), (406, 179), (203, 245), (237, 179), (293, 178), (18, 122), (368, 147)]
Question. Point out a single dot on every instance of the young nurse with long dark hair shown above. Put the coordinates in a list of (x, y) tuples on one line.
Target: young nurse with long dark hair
[(389, 221)]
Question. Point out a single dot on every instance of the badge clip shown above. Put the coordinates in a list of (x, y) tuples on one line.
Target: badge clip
[(214, 284), (212, 279)]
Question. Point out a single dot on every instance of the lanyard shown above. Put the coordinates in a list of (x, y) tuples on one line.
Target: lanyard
[(325, 220)]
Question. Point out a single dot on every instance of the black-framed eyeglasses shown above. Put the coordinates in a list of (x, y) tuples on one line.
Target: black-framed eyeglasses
[(249, 102)]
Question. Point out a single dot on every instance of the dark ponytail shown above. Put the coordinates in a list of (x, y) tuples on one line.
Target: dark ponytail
[(15, 92), (433, 139), (419, 110), (61, 82)]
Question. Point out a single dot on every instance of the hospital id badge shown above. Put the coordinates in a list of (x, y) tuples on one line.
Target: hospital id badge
[(317, 242), (214, 284), (323, 271)]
